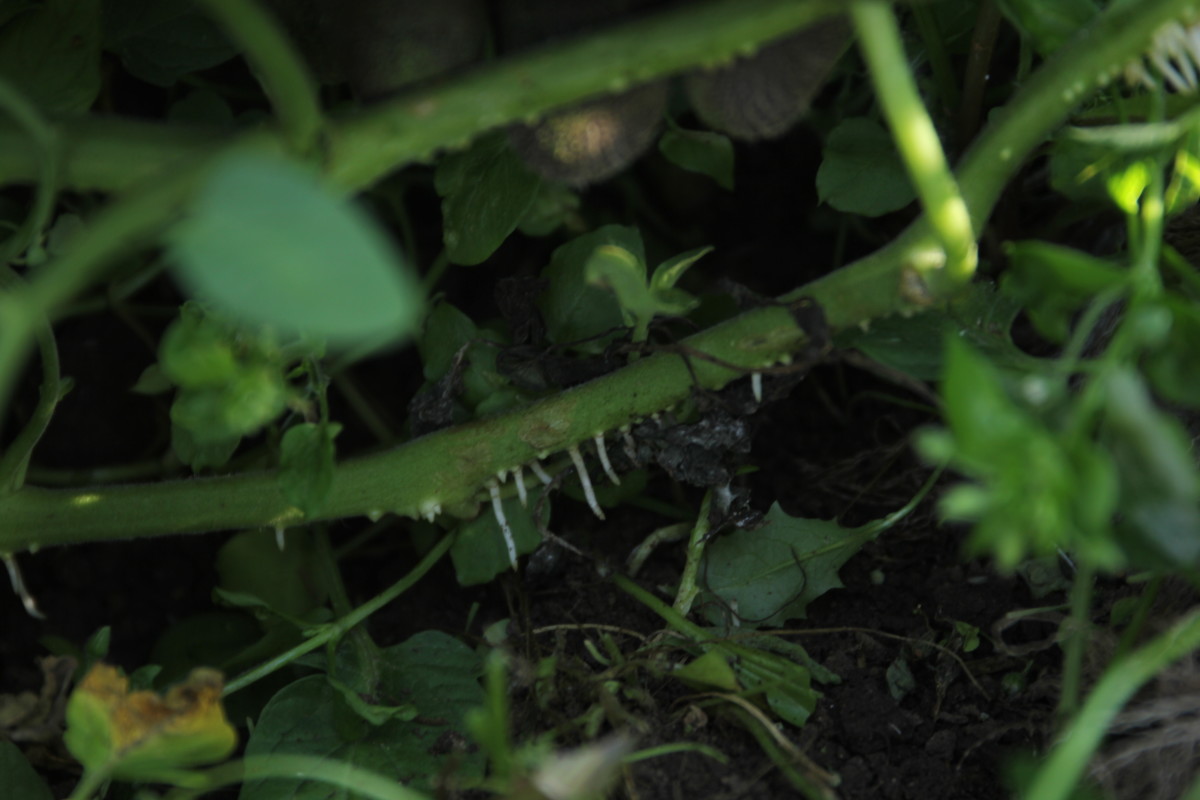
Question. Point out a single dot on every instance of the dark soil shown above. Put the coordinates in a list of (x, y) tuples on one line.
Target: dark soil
[(826, 451)]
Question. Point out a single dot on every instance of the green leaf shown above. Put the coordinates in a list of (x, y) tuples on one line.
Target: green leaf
[(306, 465), (1037, 490), (152, 381), (486, 191), (621, 271), (160, 41), (573, 309), (240, 407), (704, 152), (210, 637), (480, 553), (1174, 366), (51, 54), (913, 344), (555, 205), (1053, 282), (861, 171), (201, 453), (770, 575), (1051, 24), (267, 243), (617, 269), (289, 581), (202, 107), (709, 672), (1160, 485), (197, 351), (668, 273), (447, 330), (432, 671), (18, 778)]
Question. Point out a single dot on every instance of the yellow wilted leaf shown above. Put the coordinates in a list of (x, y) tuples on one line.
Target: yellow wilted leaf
[(143, 735)]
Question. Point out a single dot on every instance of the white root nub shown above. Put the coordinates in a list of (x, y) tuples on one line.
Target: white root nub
[(18, 587), (603, 453), (279, 537), (519, 479), (538, 470), (756, 386), (586, 481), (629, 445), (498, 509)]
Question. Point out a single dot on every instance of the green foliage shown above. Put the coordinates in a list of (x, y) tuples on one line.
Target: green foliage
[(50, 52), (161, 41), (764, 577), (479, 553), (285, 581), (704, 152), (979, 315), (1053, 282), (306, 464), (268, 244), (18, 777), (486, 192), (1077, 451), (1049, 25), (861, 172), (1040, 492), (229, 385), (431, 671), (576, 311)]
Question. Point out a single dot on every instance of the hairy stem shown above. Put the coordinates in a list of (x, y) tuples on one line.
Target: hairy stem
[(445, 470)]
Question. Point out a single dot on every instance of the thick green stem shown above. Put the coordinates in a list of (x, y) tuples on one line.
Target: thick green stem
[(335, 630), (444, 471)]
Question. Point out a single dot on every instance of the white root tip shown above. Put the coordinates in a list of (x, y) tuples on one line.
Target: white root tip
[(18, 587), (724, 498), (519, 480), (629, 445), (540, 471), (280, 538), (585, 481), (430, 509), (756, 386), (603, 453), (498, 509)]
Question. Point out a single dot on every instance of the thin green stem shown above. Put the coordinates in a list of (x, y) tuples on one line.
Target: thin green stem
[(688, 588), (339, 628), (46, 156), (1079, 626), (284, 75), (15, 460), (880, 41), (354, 780), (1137, 622), (935, 51), (89, 784), (1060, 774)]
